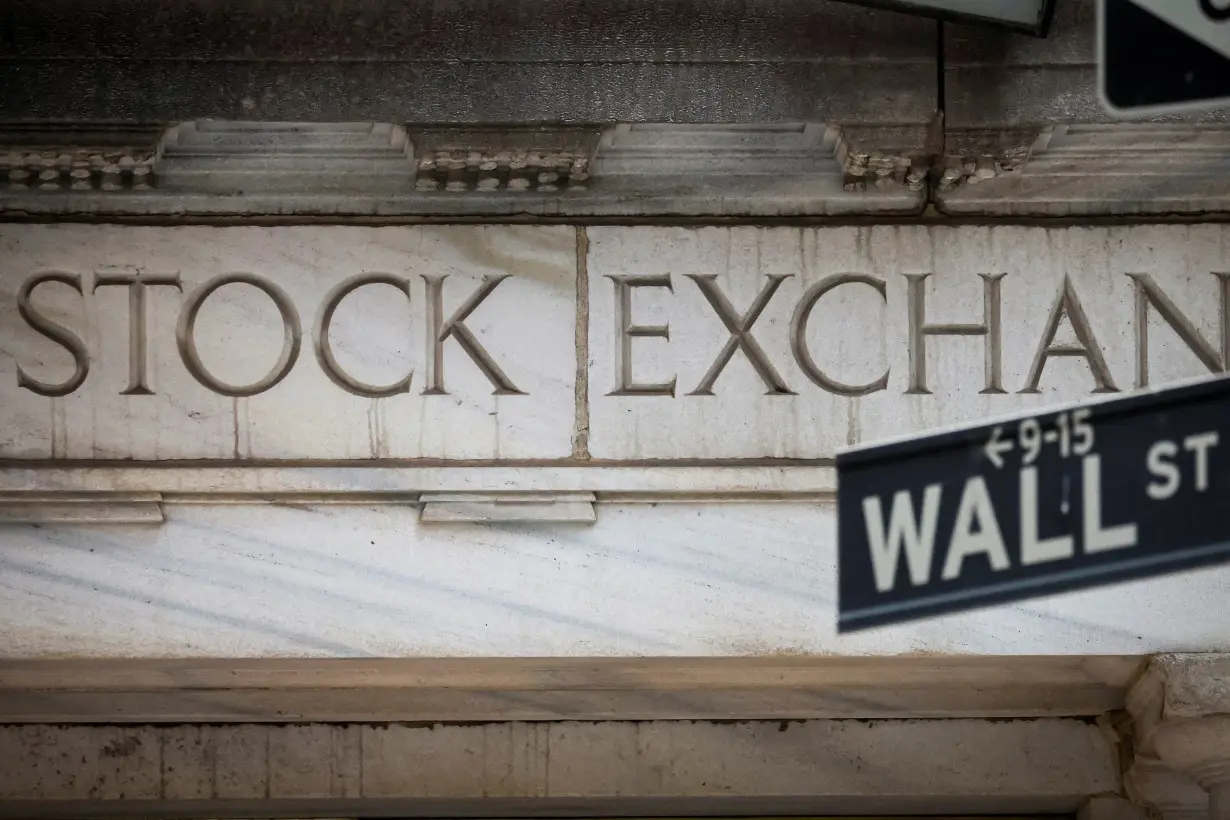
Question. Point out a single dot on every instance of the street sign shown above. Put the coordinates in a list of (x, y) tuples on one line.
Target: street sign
[(1060, 500), (1163, 56)]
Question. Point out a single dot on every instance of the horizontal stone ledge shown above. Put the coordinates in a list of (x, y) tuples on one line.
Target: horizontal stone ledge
[(443, 690), (830, 171), (630, 482), (883, 808), (378, 169), (307, 344), (735, 197), (80, 508), (973, 765), (1126, 169)]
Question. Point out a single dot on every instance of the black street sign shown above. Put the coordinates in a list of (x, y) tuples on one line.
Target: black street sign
[(1060, 500), (1161, 56)]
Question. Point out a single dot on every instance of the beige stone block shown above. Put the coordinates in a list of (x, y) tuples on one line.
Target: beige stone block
[(302, 762), (128, 764), (241, 760), (187, 762)]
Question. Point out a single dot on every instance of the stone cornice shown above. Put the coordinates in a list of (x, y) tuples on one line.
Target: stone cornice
[(1095, 170), (345, 170), (238, 690), (373, 169), (76, 159)]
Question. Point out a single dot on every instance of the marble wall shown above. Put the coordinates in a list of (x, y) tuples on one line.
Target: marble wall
[(696, 381), (666, 579), (474, 343)]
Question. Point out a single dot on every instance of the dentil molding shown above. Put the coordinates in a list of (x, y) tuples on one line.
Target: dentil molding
[(215, 168), (368, 169)]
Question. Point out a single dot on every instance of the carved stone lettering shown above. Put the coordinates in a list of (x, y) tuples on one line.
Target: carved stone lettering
[(324, 349), (56, 333), (185, 335), (798, 334), (627, 331), (1068, 305), (786, 343), (346, 344), (439, 331), (1148, 293), (741, 338), (137, 320), (920, 330)]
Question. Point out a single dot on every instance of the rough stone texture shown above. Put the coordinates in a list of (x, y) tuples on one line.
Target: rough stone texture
[(1172, 796), (560, 61), (1123, 169), (997, 82), (1040, 765), (1181, 735), (1196, 684), (1109, 807), (340, 170)]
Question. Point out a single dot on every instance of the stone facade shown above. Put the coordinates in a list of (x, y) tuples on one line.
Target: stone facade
[(438, 416)]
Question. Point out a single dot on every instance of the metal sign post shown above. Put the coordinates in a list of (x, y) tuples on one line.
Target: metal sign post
[(1059, 500)]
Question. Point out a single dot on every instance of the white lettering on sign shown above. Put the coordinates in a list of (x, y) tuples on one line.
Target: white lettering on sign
[(976, 531), (1035, 549), (903, 531), (976, 524), (1168, 478), (1097, 537), (1072, 434), (976, 528)]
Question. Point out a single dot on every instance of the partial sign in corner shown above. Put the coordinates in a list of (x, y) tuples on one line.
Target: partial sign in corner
[(1163, 56), (1057, 501)]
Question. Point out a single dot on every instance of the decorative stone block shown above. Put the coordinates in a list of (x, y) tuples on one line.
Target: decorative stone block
[(790, 343), (286, 343)]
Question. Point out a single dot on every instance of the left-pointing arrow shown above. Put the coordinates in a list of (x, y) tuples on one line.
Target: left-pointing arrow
[(995, 446)]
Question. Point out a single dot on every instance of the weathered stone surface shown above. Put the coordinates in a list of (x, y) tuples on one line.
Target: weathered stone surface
[(857, 334), (660, 577), (1194, 684), (357, 169), (447, 690), (1039, 765), (439, 62), (1181, 734), (245, 382), (292, 518), (1121, 169), (997, 82)]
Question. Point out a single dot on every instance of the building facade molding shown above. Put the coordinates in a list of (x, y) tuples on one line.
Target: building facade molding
[(1121, 169), (208, 169), (1181, 708), (342, 170), (647, 768), (431, 690)]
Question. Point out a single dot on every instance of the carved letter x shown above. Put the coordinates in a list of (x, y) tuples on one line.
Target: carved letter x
[(740, 334)]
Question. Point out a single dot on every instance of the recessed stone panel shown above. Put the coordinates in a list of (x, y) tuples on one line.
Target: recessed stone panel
[(298, 343), (790, 343)]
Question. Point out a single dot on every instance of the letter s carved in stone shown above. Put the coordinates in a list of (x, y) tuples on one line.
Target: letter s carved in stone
[(55, 332)]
